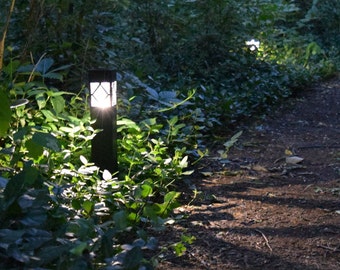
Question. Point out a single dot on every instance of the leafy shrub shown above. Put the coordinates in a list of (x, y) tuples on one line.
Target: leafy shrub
[(187, 70), (58, 209)]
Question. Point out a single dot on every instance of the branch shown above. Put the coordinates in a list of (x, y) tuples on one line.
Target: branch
[(265, 239)]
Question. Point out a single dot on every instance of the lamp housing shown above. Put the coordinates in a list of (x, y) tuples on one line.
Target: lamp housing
[(103, 101), (103, 88)]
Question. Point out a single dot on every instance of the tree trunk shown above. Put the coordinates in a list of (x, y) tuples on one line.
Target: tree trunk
[(4, 33)]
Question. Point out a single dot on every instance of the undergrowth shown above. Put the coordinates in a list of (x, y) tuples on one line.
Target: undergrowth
[(187, 70)]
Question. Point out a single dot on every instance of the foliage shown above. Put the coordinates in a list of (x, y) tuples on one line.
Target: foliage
[(186, 70), (89, 218)]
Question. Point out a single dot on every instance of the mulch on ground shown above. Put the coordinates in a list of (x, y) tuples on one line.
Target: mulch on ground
[(274, 202)]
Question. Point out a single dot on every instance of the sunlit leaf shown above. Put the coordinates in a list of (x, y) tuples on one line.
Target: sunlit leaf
[(50, 116), (58, 103), (88, 206), (83, 160), (184, 162), (171, 196), (179, 249), (107, 175)]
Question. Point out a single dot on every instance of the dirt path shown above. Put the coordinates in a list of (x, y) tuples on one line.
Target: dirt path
[(264, 207)]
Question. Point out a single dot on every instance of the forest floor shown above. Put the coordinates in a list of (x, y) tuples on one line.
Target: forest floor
[(274, 202)]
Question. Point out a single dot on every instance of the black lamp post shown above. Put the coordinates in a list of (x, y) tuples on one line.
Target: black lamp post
[(103, 101)]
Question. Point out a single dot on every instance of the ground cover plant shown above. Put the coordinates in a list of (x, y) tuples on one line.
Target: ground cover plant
[(187, 70), (58, 209)]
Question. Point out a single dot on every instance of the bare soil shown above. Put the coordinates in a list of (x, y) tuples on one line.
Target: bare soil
[(263, 207)]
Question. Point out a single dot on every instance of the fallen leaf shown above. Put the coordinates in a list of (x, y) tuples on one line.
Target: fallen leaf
[(293, 160), (207, 174), (288, 152)]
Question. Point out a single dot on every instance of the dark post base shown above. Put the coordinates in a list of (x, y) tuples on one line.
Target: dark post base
[(104, 144)]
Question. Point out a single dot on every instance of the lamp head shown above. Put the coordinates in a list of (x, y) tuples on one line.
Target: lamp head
[(103, 88)]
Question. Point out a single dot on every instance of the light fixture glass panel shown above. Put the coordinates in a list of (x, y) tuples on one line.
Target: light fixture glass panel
[(100, 94)]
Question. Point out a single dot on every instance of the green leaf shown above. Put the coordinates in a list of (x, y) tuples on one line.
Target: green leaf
[(35, 238), (179, 249), (21, 133), (34, 218), (3, 182), (173, 120), (233, 140), (171, 196), (26, 201), (35, 150), (184, 162), (88, 206), (127, 124), (79, 249), (58, 103), (50, 117), (83, 160), (152, 210), (76, 204), (9, 236), (146, 190), (5, 114), (41, 100), (52, 253), (121, 220), (47, 140), (107, 175), (44, 65), (133, 258), (188, 239), (52, 75), (16, 186), (30, 175)]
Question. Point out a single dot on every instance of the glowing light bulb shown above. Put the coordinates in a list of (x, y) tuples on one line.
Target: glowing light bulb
[(253, 44), (103, 94)]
